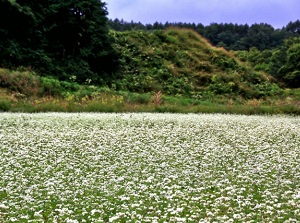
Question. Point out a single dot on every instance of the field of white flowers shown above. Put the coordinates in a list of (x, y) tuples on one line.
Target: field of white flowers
[(88, 167)]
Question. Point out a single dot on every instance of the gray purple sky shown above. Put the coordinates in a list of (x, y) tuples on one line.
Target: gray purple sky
[(277, 13)]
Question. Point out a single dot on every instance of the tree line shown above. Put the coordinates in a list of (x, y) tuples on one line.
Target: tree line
[(228, 35)]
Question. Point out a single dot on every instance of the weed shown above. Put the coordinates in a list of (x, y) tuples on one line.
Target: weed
[(25, 82), (180, 61), (157, 99), (253, 103)]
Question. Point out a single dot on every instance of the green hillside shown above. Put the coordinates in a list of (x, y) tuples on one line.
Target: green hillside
[(175, 70), (181, 62)]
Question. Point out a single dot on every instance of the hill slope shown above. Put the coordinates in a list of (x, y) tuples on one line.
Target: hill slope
[(175, 70), (181, 62)]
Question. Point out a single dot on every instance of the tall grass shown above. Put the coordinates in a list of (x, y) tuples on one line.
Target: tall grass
[(177, 106), (24, 91)]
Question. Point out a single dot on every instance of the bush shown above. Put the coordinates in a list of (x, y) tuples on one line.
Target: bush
[(24, 82), (5, 106), (51, 86), (139, 98), (70, 86)]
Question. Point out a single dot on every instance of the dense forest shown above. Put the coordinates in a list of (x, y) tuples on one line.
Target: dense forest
[(59, 38), (73, 41)]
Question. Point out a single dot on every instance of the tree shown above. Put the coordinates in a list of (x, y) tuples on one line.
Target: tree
[(290, 70), (15, 33), (293, 27), (158, 25), (259, 36), (60, 38)]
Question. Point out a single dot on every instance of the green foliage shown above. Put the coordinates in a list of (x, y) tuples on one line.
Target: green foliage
[(51, 86), (223, 61), (70, 86), (181, 62), (95, 99), (26, 83), (5, 105), (282, 63), (58, 38), (139, 98), (268, 89), (293, 27), (292, 66), (228, 35)]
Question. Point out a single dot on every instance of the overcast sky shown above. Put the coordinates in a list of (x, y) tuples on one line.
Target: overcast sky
[(277, 13)]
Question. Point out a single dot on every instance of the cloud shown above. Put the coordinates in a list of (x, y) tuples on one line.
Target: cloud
[(274, 12)]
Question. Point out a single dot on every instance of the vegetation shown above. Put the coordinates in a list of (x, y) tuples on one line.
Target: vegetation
[(282, 63), (64, 39), (181, 62), (228, 35), (25, 91), (261, 38), (67, 56)]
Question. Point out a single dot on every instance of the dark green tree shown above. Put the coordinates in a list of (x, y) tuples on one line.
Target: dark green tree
[(293, 27), (289, 70), (59, 38), (283, 63), (259, 36), (15, 33)]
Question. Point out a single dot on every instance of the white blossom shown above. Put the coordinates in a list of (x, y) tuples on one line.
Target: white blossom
[(96, 167)]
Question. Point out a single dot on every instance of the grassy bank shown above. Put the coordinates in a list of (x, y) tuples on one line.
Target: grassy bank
[(24, 91), (110, 101)]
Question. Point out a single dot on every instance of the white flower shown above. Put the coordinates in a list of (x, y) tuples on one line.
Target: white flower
[(177, 219), (94, 211), (178, 210), (3, 206), (160, 163), (68, 220), (236, 216), (114, 218)]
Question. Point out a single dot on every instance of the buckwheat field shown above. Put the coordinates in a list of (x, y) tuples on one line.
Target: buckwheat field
[(96, 167)]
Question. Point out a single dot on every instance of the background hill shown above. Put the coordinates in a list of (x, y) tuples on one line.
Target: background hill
[(65, 56), (181, 62), (275, 51), (177, 62), (172, 70), (231, 36)]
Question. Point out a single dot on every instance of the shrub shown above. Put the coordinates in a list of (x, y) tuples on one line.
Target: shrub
[(139, 98), (5, 105), (24, 82), (51, 86), (71, 86)]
